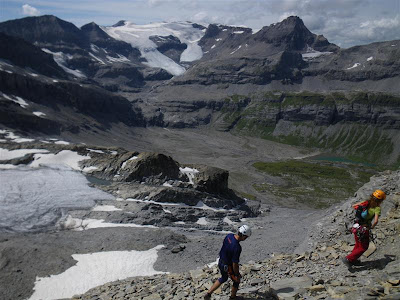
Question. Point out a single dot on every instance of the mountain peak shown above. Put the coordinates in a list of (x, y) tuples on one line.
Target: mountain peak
[(293, 20), (47, 29), (119, 23), (93, 32), (291, 34)]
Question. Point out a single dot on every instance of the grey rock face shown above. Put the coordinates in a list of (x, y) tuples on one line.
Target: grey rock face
[(292, 34), (153, 165), (169, 46), (212, 180), (125, 74)]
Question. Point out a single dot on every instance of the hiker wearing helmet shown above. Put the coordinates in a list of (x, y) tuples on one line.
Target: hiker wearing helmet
[(363, 226), (228, 263)]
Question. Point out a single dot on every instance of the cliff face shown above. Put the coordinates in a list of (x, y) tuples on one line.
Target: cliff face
[(64, 106), (362, 125)]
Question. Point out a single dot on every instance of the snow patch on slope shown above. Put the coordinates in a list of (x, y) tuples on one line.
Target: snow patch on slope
[(354, 66), (311, 53), (95, 269), (61, 59)]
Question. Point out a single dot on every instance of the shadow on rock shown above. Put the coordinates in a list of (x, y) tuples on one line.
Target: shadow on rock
[(378, 264), (258, 295)]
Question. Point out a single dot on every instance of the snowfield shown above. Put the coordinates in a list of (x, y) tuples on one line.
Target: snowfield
[(139, 37), (36, 196), (95, 269)]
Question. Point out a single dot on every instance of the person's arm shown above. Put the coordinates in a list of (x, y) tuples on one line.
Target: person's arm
[(236, 275), (375, 221)]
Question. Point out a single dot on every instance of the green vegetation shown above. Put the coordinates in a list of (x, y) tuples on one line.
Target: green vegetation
[(231, 117), (254, 127), (305, 98), (315, 184), (235, 98), (364, 98), (258, 117), (272, 96), (247, 196)]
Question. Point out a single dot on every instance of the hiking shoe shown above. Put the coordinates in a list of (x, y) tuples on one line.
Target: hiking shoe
[(346, 262), (207, 296)]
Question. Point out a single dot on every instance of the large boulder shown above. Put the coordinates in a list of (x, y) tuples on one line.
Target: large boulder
[(211, 180), (150, 165)]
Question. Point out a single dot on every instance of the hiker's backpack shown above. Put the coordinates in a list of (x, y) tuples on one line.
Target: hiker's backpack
[(361, 212)]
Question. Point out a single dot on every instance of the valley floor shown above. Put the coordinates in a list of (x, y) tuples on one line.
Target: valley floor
[(204, 146)]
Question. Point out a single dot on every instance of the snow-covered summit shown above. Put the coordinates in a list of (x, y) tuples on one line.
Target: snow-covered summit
[(139, 37)]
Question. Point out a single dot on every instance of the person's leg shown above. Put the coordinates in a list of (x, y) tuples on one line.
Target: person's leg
[(224, 277), (235, 288), (233, 292), (216, 285), (359, 248)]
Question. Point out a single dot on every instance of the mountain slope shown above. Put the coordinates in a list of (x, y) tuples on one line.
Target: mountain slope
[(26, 55)]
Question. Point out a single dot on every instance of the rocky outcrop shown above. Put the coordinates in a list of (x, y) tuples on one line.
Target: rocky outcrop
[(170, 46), (153, 165), (211, 180), (157, 177)]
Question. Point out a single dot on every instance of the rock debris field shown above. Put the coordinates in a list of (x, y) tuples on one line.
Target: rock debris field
[(317, 273)]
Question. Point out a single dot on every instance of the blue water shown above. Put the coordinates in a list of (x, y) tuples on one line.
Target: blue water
[(334, 158), (97, 181)]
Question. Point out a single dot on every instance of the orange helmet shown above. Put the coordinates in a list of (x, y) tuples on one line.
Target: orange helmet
[(379, 194)]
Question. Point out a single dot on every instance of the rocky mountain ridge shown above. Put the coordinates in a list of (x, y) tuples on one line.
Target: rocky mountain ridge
[(282, 83), (314, 274), (285, 51)]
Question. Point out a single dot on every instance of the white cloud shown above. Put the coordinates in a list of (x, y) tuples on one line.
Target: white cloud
[(30, 10), (373, 30), (344, 22)]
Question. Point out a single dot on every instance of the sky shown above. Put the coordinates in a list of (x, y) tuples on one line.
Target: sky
[(344, 22)]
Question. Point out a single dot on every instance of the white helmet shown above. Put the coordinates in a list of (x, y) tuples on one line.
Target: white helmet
[(244, 230)]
